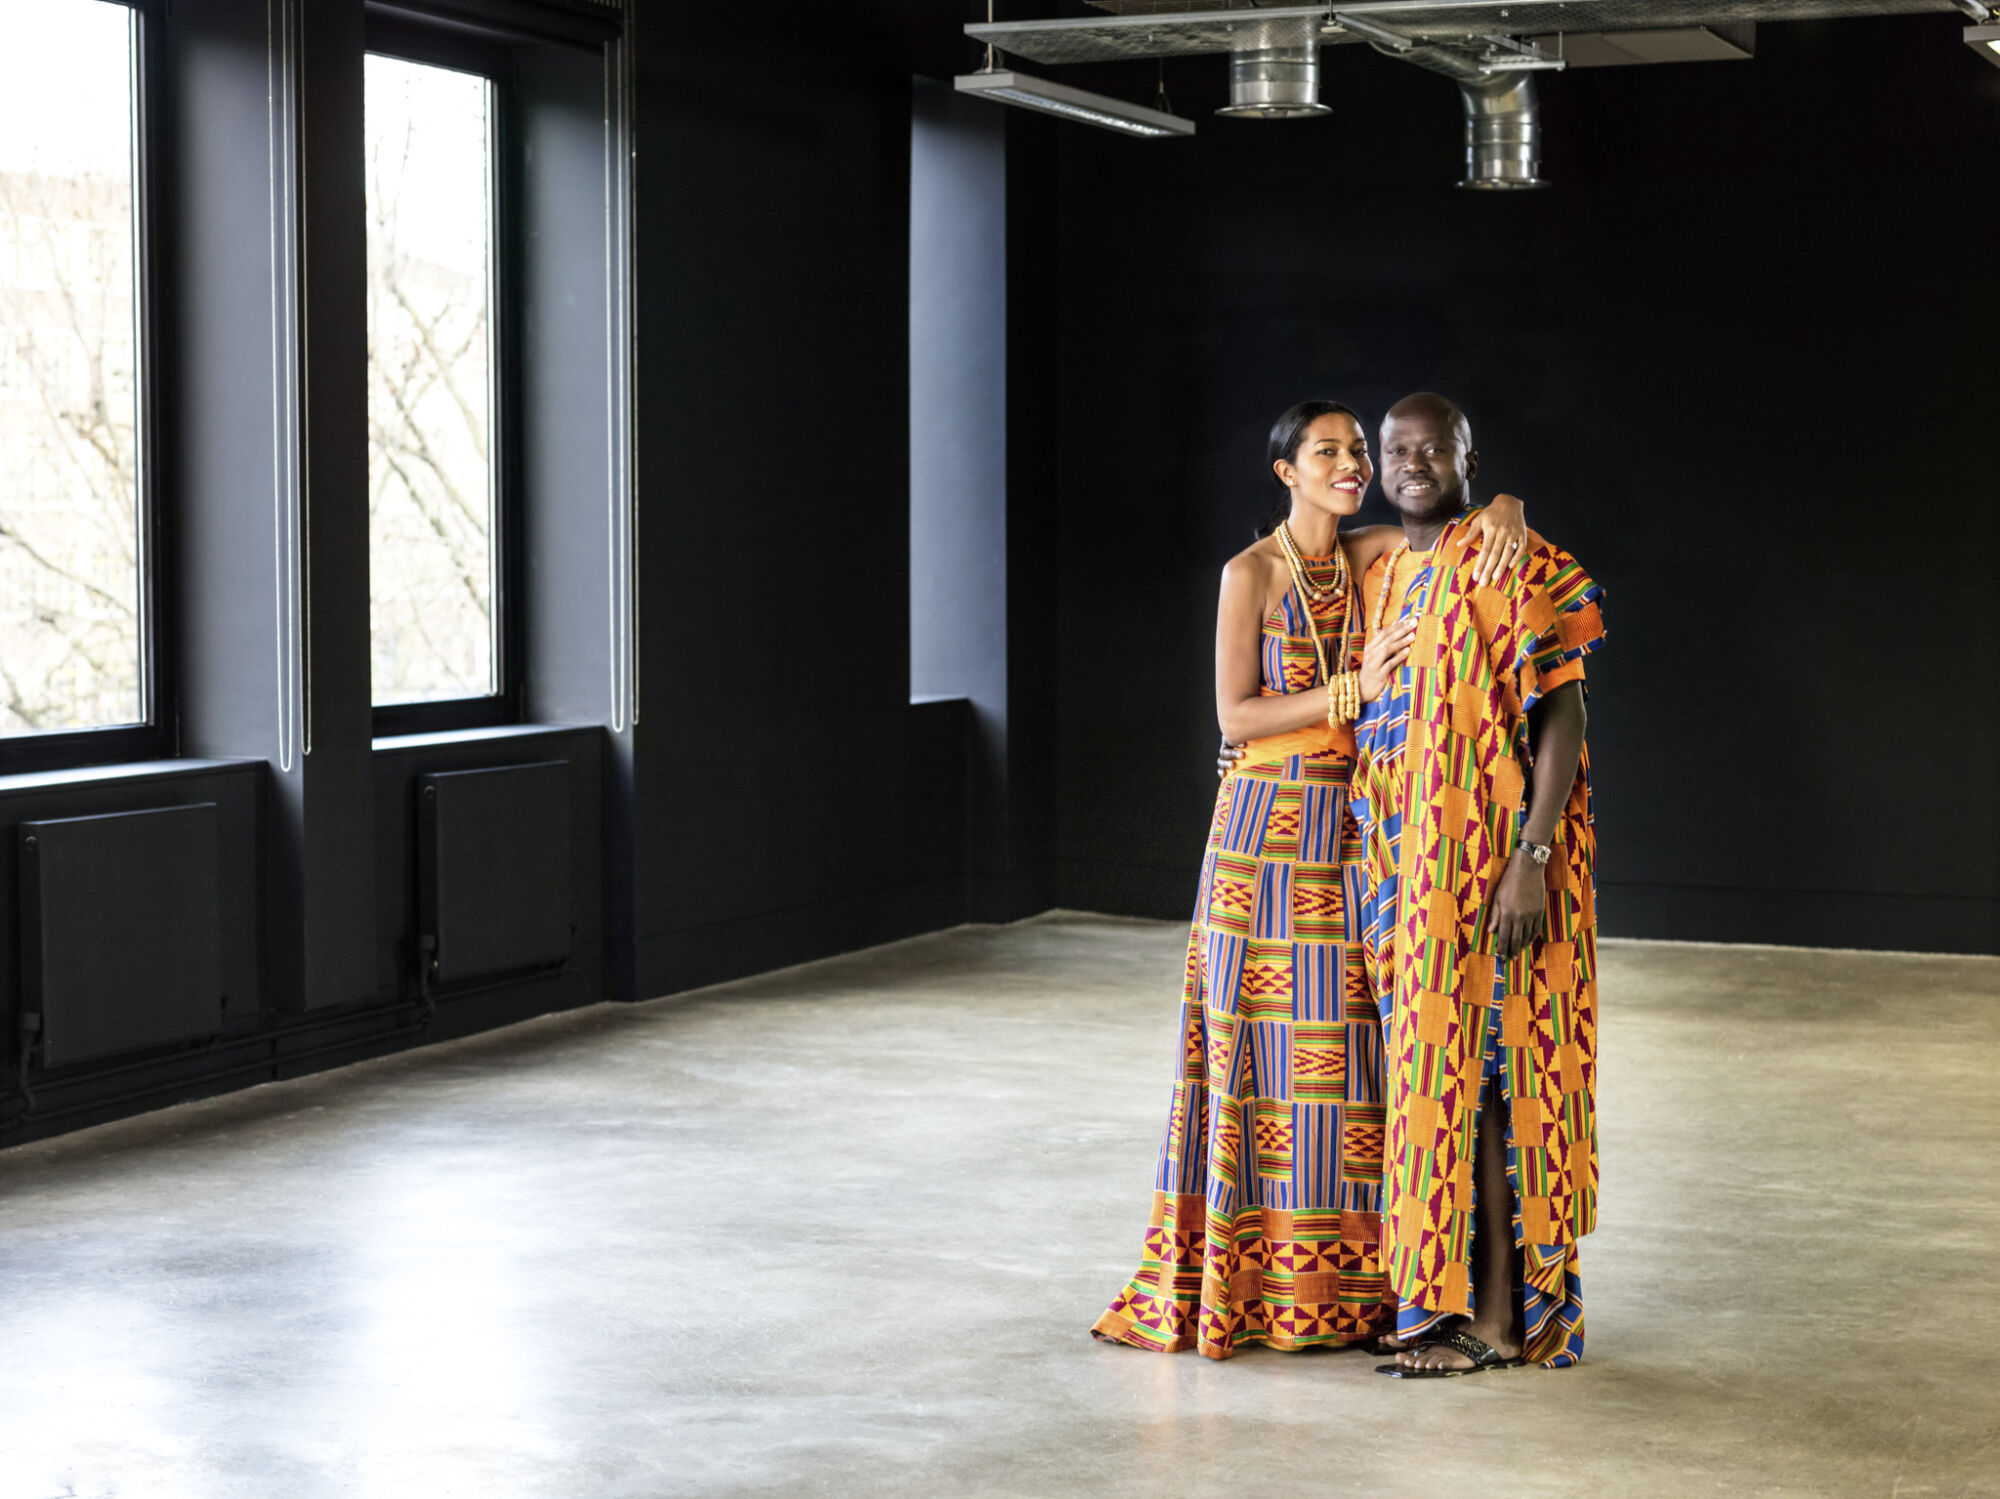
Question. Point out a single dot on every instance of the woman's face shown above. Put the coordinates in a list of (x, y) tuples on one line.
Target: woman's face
[(1330, 471)]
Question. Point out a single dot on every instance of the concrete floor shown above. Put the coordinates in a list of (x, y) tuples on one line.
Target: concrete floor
[(841, 1231)]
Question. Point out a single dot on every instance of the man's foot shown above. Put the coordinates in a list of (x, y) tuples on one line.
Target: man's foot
[(1460, 1350), (1387, 1345)]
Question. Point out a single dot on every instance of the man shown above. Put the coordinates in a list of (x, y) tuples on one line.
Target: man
[(1480, 921)]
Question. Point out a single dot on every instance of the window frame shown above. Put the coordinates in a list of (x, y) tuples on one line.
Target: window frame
[(155, 735), (408, 38)]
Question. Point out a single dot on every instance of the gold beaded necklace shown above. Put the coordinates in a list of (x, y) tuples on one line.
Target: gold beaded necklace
[(1388, 586), (1343, 689), (1316, 593)]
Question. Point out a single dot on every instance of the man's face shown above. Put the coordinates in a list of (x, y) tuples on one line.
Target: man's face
[(1426, 465)]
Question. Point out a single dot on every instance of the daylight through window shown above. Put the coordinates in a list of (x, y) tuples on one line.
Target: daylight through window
[(431, 499), (72, 618)]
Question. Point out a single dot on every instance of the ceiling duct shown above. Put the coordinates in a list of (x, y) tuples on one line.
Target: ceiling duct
[(1503, 132), (1489, 48), (1274, 83), (1503, 118)]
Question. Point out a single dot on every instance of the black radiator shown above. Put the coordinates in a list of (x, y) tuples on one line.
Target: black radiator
[(493, 878), (120, 931)]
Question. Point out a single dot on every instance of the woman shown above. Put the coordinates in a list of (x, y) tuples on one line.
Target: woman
[(1266, 1206)]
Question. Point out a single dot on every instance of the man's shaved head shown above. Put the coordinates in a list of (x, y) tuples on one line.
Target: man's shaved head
[(1428, 403), (1427, 458)]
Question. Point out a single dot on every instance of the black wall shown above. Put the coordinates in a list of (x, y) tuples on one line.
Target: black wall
[(1740, 358), (1730, 357), (790, 801)]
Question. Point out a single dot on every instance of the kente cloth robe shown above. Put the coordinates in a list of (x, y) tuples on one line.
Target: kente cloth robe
[(1441, 793)]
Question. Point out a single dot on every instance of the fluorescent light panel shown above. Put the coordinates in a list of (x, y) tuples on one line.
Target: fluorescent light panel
[(1985, 40), (1059, 99)]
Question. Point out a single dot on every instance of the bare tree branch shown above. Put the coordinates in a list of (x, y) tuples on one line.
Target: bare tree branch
[(67, 318)]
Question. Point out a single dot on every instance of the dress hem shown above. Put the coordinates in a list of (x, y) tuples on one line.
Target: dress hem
[(1117, 1329)]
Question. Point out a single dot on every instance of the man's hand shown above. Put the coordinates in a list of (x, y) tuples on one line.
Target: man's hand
[(1521, 899), (1520, 907)]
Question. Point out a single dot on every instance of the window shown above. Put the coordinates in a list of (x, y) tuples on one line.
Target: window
[(434, 470), (74, 650)]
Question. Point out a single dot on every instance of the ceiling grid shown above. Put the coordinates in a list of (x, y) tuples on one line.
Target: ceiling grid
[(1182, 29)]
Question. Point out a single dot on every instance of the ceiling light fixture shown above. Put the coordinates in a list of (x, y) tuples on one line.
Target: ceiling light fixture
[(1028, 92), (1985, 40)]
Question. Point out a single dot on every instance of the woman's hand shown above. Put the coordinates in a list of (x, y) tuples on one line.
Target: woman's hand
[(1503, 531), (1383, 655)]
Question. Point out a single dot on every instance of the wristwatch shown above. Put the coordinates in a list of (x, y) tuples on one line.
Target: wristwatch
[(1539, 852)]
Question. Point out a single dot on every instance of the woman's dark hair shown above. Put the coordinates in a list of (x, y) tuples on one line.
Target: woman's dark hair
[(1287, 432)]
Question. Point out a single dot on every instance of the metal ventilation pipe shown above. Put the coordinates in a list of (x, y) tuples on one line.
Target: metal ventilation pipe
[(1503, 121), (1274, 83), (1503, 131)]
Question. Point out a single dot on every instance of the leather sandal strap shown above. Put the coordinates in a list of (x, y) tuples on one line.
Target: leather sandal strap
[(1464, 1342)]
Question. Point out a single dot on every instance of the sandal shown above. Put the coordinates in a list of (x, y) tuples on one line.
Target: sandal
[(1483, 1357)]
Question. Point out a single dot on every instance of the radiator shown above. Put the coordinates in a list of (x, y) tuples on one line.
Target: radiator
[(120, 930), (493, 877)]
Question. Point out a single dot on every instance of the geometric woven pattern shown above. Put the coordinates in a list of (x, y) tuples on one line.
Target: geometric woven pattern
[(1266, 1222), (1445, 757)]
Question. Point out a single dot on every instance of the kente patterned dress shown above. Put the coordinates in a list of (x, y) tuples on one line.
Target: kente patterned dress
[(1441, 794), (1266, 1220)]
